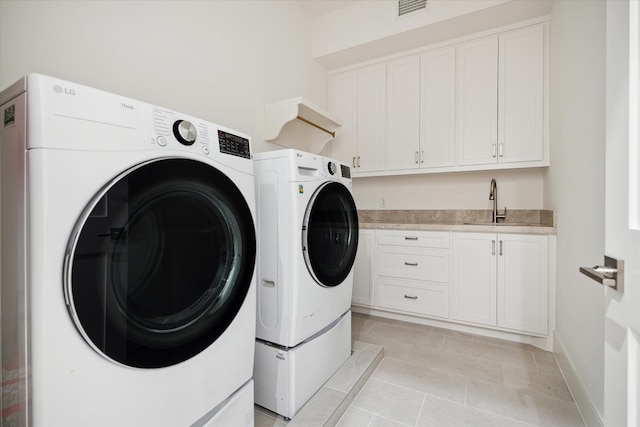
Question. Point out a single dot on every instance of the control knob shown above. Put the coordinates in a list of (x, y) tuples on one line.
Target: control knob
[(185, 132), (332, 168)]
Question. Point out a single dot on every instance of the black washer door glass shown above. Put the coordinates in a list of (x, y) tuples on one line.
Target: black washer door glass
[(331, 234), (162, 263)]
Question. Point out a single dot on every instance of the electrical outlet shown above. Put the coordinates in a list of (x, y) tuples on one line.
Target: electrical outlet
[(383, 202)]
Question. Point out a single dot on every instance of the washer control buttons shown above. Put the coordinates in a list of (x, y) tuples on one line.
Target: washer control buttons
[(185, 132), (332, 168), (162, 141), (205, 149)]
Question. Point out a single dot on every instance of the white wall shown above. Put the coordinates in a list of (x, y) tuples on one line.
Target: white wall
[(574, 184), (217, 60), (370, 29), (517, 189)]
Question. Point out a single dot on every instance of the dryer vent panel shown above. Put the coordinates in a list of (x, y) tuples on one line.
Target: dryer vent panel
[(409, 6)]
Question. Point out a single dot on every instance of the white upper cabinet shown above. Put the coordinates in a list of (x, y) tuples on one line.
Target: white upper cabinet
[(500, 99), (358, 98), (343, 102), (437, 108), (477, 102), (520, 96), (473, 105), (421, 111), (371, 135), (403, 114)]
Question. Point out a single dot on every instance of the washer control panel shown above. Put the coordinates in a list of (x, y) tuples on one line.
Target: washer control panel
[(234, 144)]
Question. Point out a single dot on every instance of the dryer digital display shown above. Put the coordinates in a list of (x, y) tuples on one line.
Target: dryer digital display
[(234, 145)]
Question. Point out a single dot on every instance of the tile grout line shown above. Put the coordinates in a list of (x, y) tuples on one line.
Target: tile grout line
[(424, 398)]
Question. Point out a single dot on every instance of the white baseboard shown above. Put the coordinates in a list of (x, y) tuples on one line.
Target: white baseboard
[(588, 411)]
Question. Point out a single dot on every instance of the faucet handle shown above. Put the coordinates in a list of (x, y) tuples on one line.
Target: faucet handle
[(502, 215)]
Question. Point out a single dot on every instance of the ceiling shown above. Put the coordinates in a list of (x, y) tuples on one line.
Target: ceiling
[(317, 8)]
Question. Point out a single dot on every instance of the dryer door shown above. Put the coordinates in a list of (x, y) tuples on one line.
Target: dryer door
[(160, 263), (330, 234)]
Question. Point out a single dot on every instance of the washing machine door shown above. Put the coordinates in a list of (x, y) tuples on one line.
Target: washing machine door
[(330, 234), (160, 263)]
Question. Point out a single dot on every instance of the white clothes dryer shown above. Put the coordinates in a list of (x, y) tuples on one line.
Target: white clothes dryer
[(128, 252), (307, 240)]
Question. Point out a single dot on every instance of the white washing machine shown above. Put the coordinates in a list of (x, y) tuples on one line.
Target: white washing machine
[(307, 241), (128, 252)]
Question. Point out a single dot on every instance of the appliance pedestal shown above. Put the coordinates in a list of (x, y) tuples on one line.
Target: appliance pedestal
[(286, 378)]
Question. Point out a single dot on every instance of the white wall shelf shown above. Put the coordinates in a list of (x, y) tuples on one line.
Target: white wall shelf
[(297, 123)]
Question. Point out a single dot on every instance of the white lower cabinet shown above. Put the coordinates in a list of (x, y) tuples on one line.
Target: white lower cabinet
[(473, 290), (495, 280), (364, 269), (413, 272), (413, 296), (501, 280), (523, 270)]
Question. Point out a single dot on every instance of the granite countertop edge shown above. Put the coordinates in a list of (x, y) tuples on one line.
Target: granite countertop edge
[(518, 221), (481, 228)]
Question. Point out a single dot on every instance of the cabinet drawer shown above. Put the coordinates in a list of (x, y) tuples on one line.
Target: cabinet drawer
[(414, 238), (414, 263), (416, 297)]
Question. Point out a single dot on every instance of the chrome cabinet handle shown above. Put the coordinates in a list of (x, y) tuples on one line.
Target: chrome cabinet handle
[(410, 296), (500, 247), (422, 156), (493, 247), (413, 264), (501, 150), (493, 150), (354, 162), (416, 157), (410, 238)]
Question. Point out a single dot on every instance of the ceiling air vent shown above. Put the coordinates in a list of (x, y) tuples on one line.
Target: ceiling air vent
[(409, 6)]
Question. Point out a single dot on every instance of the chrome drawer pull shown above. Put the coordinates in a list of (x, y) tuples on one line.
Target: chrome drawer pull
[(410, 238), (413, 264), (410, 297)]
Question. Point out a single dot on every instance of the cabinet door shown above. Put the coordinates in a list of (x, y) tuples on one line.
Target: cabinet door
[(477, 102), (520, 90), (473, 288), (437, 108), (403, 114), (371, 136), (364, 269), (343, 103), (523, 263)]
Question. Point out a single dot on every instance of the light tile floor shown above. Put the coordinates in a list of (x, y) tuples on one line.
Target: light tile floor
[(438, 377)]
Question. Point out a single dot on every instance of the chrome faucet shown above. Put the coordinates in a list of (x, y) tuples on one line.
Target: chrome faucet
[(493, 195)]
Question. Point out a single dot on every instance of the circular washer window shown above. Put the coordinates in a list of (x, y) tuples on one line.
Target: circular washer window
[(330, 234), (161, 263)]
